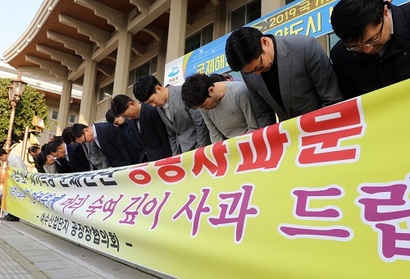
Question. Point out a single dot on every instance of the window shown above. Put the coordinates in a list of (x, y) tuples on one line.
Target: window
[(148, 68), (202, 37), (54, 115), (71, 118), (105, 91), (245, 14)]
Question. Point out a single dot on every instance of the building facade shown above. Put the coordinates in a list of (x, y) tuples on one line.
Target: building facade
[(104, 46)]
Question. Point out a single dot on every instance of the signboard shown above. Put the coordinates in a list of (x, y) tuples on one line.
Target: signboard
[(306, 17), (323, 195)]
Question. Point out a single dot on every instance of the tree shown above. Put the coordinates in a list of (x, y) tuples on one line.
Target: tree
[(31, 103)]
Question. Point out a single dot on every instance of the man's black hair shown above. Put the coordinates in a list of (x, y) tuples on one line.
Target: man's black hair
[(77, 130), (53, 146), (110, 116), (194, 91), (145, 87), (242, 47), (119, 104), (33, 149), (351, 18), (217, 77), (41, 158), (67, 135)]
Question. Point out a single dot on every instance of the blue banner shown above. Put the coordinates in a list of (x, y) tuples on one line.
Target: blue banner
[(305, 17)]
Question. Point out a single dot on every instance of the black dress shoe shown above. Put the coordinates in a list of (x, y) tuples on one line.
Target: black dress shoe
[(10, 217)]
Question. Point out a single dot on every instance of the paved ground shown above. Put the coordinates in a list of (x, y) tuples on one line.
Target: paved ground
[(27, 252)]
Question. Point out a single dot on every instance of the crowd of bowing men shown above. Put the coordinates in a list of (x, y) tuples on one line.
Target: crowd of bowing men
[(121, 140), (167, 120)]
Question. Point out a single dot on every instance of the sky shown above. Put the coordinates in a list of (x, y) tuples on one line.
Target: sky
[(15, 17)]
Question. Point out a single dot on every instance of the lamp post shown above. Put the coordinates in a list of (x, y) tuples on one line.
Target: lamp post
[(15, 92)]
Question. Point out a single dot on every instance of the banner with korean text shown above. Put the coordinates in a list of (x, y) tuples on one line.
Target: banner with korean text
[(323, 195)]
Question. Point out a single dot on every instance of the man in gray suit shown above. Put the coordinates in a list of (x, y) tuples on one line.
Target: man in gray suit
[(289, 75), (186, 127)]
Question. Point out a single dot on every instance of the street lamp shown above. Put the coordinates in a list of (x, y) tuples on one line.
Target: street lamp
[(15, 92)]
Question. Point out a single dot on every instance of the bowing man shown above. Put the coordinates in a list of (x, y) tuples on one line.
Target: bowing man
[(106, 142), (69, 157)]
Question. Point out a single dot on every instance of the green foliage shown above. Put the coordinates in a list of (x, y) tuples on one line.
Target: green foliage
[(31, 103)]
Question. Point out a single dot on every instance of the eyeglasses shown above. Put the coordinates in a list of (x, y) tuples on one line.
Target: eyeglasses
[(257, 68), (371, 42)]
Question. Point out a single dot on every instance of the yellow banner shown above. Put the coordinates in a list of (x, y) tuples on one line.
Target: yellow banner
[(323, 195)]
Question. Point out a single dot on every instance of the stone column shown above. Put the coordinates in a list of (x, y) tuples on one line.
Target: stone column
[(122, 66), (88, 95), (177, 26), (64, 107), (268, 6)]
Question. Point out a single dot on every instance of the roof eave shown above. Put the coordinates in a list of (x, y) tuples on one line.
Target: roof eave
[(31, 32)]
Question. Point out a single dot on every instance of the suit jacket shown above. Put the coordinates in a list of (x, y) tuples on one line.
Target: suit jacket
[(131, 133), (113, 144), (307, 81), (96, 158), (360, 73), (40, 168), (187, 129), (153, 134), (76, 161)]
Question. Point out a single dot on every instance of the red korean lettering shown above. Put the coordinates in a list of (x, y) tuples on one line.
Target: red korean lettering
[(322, 133), (219, 164), (170, 169), (265, 150), (139, 176)]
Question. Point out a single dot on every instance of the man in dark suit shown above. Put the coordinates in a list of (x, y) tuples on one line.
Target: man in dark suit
[(286, 75), (130, 130), (69, 157), (151, 131), (104, 143)]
